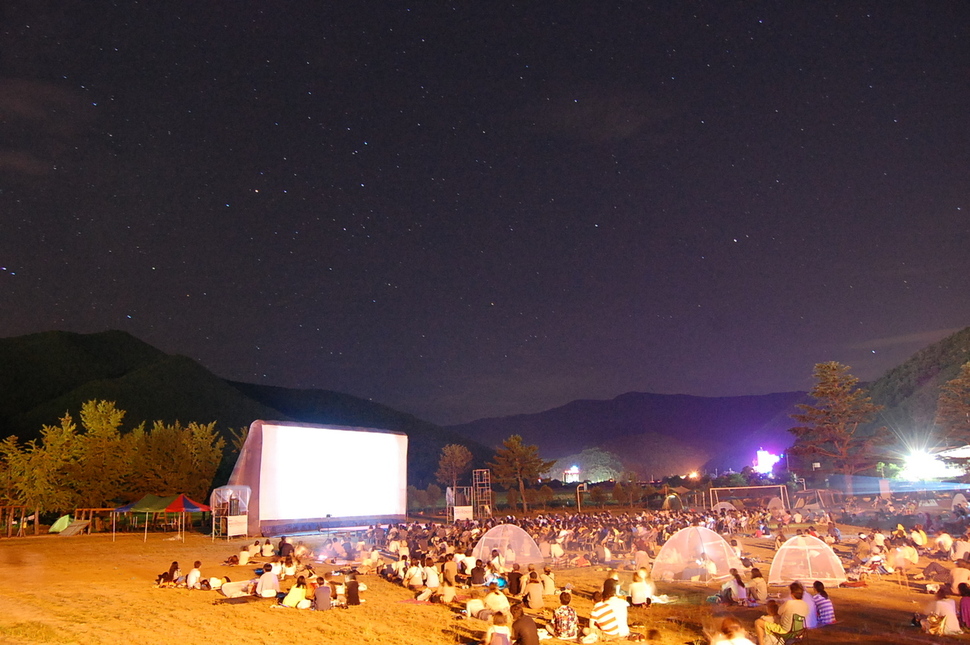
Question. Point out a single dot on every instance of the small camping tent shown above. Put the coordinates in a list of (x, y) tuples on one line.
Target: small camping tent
[(727, 507), (695, 553), (512, 543), (62, 523), (806, 558)]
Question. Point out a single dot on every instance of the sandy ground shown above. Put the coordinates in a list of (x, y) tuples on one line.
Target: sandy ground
[(92, 590)]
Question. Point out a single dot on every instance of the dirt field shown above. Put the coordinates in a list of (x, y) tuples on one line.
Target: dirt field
[(90, 590)]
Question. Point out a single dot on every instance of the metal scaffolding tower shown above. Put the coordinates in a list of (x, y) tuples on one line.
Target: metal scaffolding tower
[(482, 493)]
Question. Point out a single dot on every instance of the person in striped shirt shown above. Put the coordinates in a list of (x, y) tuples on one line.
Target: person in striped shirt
[(609, 617), (826, 612)]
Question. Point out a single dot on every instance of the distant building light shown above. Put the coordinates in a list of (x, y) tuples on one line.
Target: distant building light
[(765, 462)]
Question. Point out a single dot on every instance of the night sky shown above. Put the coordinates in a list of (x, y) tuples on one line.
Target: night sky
[(476, 209)]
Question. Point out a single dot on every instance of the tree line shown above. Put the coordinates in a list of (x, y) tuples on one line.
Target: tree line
[(98, 464)]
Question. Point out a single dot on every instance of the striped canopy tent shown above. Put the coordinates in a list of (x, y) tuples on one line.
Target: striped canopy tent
[(154, 504)]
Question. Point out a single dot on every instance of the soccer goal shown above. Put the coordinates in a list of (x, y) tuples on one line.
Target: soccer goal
[(752, 496)]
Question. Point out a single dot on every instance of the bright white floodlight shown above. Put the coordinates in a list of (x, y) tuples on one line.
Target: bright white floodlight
[(921, 465)]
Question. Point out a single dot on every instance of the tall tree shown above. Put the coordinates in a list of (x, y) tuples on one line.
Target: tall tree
[(36, 474), (180, 459), (953, 409), (518, 464), (454, 462), (831, 428), (107, 457)]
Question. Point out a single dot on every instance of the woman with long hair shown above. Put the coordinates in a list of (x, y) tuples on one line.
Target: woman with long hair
[(758, 587), (823, 605), (296, 596)]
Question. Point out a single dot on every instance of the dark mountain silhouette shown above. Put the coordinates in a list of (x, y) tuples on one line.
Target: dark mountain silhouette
[(45, 375), (657, 434), (654, 434)]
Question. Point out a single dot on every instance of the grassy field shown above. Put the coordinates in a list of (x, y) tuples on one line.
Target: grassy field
[(90, 590)]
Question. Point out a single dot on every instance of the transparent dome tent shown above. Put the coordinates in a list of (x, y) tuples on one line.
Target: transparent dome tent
[(512, 543), (806, 558), (695, 553)]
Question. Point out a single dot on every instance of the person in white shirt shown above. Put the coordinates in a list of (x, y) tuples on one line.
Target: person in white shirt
[(432, 581), (620, 606), (195, 576)]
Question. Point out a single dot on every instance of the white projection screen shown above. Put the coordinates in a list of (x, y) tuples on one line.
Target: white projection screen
[(305, 477)]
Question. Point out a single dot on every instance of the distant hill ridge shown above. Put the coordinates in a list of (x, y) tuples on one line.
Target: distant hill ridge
[(43, 375), (657, 433), (654, 433), (47, 374)]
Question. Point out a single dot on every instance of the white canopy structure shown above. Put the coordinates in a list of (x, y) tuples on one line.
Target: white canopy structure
[(512, 543), (695, 553), (807, 559)]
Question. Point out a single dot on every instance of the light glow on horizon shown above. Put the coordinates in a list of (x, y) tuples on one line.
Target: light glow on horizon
[(765, 462)]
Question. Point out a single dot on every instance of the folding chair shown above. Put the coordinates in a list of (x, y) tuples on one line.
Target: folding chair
[(793, 635)]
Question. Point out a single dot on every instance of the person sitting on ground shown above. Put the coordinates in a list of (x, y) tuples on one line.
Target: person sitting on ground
[(414, 577), (602, 619), (963, 609), (267, 550), (823, 605), (733, 592), (495, 600), (194, 578), (499, 632), (548, 580), (524, 628), (731, 633), (475, 606), (449, 570), (432, 580), (296, 596), (352, 590), (288, 569), (532, 593), (565, 622), (476, 578), (945, 608), (641, 589), (243, 557), (780, 538), (757, 588), (170, 577), (276, 566), (515, 580), (794, 606), (286, 547), (446, 592), (497, 562), (862, 550), (959, 574), (268, 585), (322, 595), (400, 568)]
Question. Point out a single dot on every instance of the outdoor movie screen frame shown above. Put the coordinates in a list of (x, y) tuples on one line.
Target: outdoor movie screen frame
[(301, 472)]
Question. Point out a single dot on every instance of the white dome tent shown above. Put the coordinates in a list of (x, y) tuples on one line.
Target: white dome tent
[(695, 553), (508, 538), (807, 559)]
